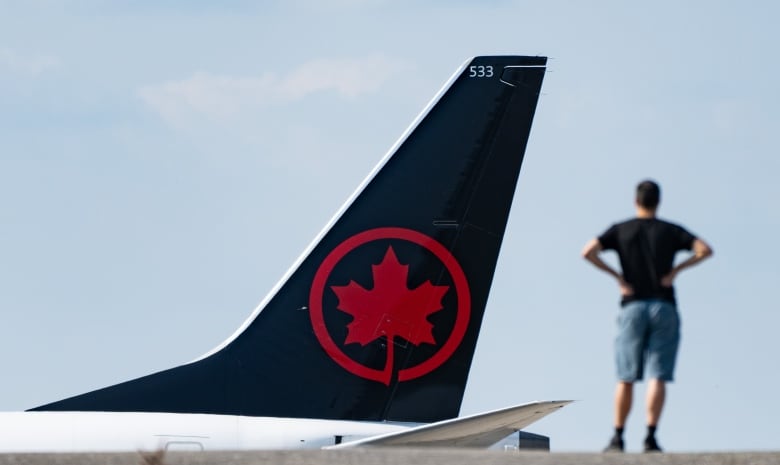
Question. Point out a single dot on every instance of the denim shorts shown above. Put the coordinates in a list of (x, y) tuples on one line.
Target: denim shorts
[(648, 336)]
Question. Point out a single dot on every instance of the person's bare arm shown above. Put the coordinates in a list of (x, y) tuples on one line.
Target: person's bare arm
[(591, 253), (701, 250)]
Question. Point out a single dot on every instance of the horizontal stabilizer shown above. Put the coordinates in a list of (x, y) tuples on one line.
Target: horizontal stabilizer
[(480, 430)]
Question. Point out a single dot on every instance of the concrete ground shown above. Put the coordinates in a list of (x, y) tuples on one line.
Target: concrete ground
[(391, 457)]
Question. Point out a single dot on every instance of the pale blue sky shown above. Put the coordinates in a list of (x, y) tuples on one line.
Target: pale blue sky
[(163, 163)]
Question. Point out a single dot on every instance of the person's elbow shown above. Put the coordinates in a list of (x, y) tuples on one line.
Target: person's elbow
[(591, 250), (702, 249), (589, 255)]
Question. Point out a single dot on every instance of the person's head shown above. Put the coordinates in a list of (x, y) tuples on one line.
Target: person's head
[(648, 195)]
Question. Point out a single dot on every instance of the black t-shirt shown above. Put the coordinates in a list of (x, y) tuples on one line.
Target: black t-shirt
[(646, 247)]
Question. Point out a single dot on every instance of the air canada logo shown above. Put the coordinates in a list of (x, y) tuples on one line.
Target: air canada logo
[(371, 299)]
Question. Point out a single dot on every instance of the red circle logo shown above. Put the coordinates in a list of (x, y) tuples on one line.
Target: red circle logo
[(387, 309)]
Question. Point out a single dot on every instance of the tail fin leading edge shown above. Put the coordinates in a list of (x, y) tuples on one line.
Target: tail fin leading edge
[(379, 321)]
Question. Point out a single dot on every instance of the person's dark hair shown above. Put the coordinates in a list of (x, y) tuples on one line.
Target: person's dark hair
[(648, 194)]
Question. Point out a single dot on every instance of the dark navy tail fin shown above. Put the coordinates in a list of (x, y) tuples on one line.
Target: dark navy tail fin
[(380, 317)]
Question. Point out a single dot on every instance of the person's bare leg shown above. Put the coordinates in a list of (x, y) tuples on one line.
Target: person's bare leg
[(624, 395), (656, 395)]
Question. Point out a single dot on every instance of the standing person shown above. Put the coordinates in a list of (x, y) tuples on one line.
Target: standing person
[(648, 324)]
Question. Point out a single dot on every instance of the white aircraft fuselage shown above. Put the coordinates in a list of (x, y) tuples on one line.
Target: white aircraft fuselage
[(134, 431)]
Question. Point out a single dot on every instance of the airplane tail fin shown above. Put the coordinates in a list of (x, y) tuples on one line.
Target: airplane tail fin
[(379, 318)]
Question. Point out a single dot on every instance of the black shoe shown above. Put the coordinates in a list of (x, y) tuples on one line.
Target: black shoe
[(651, 445), (615, 445)]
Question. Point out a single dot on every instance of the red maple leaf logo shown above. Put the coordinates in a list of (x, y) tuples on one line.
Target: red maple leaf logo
[(391, 308)]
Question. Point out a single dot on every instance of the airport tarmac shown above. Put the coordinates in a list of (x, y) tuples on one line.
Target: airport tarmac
[(393, 457)]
